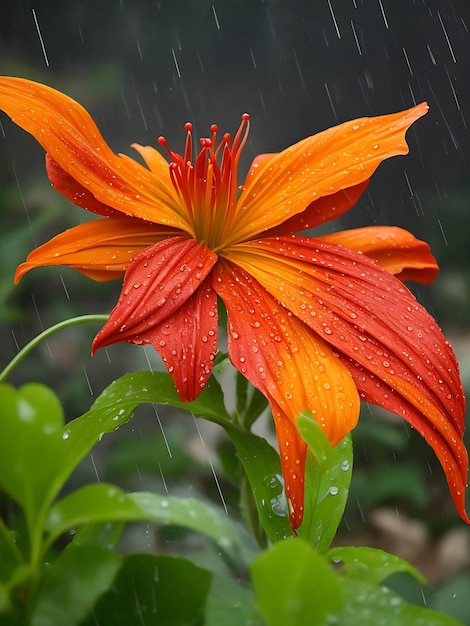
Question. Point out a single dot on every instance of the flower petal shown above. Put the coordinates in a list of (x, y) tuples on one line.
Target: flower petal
[(157, 282), (292, 366), (292, 449), (392, 346), (100, 249), (394, 249), (73, 190), (335, 159), (67, 132), (320, 211), (187, 341)]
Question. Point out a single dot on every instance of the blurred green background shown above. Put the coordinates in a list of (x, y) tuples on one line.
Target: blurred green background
[(143, 68)]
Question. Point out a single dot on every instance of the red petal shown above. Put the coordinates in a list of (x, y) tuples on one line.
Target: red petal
[(393, 347), (187, 342), (292, 452), (73, 190), (158, 281)]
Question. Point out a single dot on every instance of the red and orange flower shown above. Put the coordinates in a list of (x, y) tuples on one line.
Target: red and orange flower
[(315, 323)]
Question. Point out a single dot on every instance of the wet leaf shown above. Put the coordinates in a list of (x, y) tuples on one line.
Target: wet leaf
[(263, 469), (73, 584), (106, 503), (327, 479), (370, 564), (198, 516), (117, 403), (294, 585), (370, 604), (31, 447), (453, 597), (230, 604), (89, 504), (150, 590)]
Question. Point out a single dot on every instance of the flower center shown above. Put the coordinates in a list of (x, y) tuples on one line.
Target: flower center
[(207, 185)]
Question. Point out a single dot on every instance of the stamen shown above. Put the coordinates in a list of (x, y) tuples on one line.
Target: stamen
[(188, 127), (207, 182)]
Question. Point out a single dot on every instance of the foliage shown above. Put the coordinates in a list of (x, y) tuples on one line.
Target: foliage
[(60, 555)]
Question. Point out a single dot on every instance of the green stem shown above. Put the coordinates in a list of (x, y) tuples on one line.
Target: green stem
[(44, 335)]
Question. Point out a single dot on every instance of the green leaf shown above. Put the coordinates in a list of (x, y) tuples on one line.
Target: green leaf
[(199, 516), (31, 450), (102, 534), (151, 590), (368, 604), (98, 502), (230, 604), (263, 469), (370, 565), (116, 404), (327, 479), (453, 597), (106, 503), (10, 557), (73, 584), (294, 585)]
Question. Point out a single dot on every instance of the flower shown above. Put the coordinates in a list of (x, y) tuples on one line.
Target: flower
[(315, 323)]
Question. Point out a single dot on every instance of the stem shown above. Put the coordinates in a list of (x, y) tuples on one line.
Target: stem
[(44, 335)]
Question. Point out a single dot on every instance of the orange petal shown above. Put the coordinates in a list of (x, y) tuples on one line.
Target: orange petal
[(67, 132), (100, 249), (321, 211), (391, 345), (394, 249), (335, 159), (293, 367)]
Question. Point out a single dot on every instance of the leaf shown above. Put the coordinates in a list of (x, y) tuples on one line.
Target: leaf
[(230, 604), (73, 584), (150, 590), (263, 469), (370, 564), (106, 503), (327, 479), (102, 534), (31, 450), (10, 557), (198, 516), (370, 604), (116, 404), (294, 585), (453, 597), (98, 502)]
